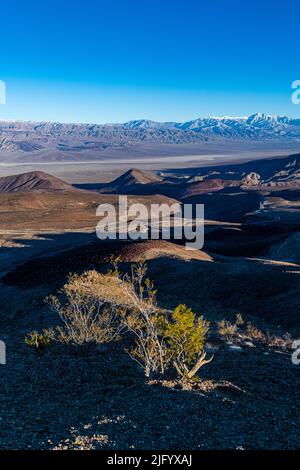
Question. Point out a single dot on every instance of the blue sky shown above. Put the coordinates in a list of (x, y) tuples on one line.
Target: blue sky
[(116, 60)]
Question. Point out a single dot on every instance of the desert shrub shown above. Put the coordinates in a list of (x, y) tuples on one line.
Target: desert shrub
[(284, 342), (254, 333), (40, 341), (144, 320), (86, 316), (239, 321), (97, 308), (158, 340), (226, 328), (185, 335), (241, 330)]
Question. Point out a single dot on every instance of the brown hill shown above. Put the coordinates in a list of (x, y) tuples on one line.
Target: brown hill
[(208, 186), (60, 210), (33, 181), (133, 177), (152, 249), (137, 182)]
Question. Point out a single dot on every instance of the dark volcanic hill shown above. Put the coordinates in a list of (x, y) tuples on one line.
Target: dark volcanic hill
[(278, 173), (137, 182), (267, 172), (207, 186), (229, 192), (33, 181)]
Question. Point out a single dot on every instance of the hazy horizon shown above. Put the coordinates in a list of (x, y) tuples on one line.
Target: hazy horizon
[(103, 123)]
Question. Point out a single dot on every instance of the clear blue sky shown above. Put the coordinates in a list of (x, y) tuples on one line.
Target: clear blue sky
[(115, 60)]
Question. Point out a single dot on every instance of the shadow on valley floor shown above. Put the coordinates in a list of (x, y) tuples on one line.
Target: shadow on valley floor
[(217, 287), (19, 249), (250, 398)]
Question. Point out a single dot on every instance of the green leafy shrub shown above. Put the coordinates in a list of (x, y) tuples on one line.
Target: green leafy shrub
[(185, 335)]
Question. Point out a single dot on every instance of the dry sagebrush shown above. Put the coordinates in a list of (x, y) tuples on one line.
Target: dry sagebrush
[(98, 308), (86, 315)]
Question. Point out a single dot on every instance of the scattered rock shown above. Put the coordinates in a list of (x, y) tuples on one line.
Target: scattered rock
[(252, 179)]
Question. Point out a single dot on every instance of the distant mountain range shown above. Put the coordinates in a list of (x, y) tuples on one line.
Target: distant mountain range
[(258, 126), (33, 137)]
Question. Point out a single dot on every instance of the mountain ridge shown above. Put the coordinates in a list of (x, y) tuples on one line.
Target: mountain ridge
[(30, 137)]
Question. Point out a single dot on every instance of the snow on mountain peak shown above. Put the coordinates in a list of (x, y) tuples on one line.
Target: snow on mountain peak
[(30, 136)]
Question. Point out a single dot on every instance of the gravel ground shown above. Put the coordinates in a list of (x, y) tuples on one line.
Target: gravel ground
[(249, 399)]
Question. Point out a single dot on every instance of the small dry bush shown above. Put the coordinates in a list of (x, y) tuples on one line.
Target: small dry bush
[(227, 329), (267, 339), (240, 330), (247, 331), (144, 319), (161, 339), (254, 333), (98, 308), (283, 342), (86, 316), (239, 321), (40, 341)]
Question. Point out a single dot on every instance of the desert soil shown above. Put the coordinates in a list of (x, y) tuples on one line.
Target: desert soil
[(248, 397)]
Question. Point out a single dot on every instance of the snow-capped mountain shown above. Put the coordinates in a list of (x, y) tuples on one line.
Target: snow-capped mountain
[(257, 126), (147, 124), (18, 137)]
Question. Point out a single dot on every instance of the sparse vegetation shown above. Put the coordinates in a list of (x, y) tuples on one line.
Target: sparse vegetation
[(145, 320), (159, 339), (241, 331), (254, 333), (226, 329), (40, 341), (98, 308), (283, 342), (87, 317), (239, 321)]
